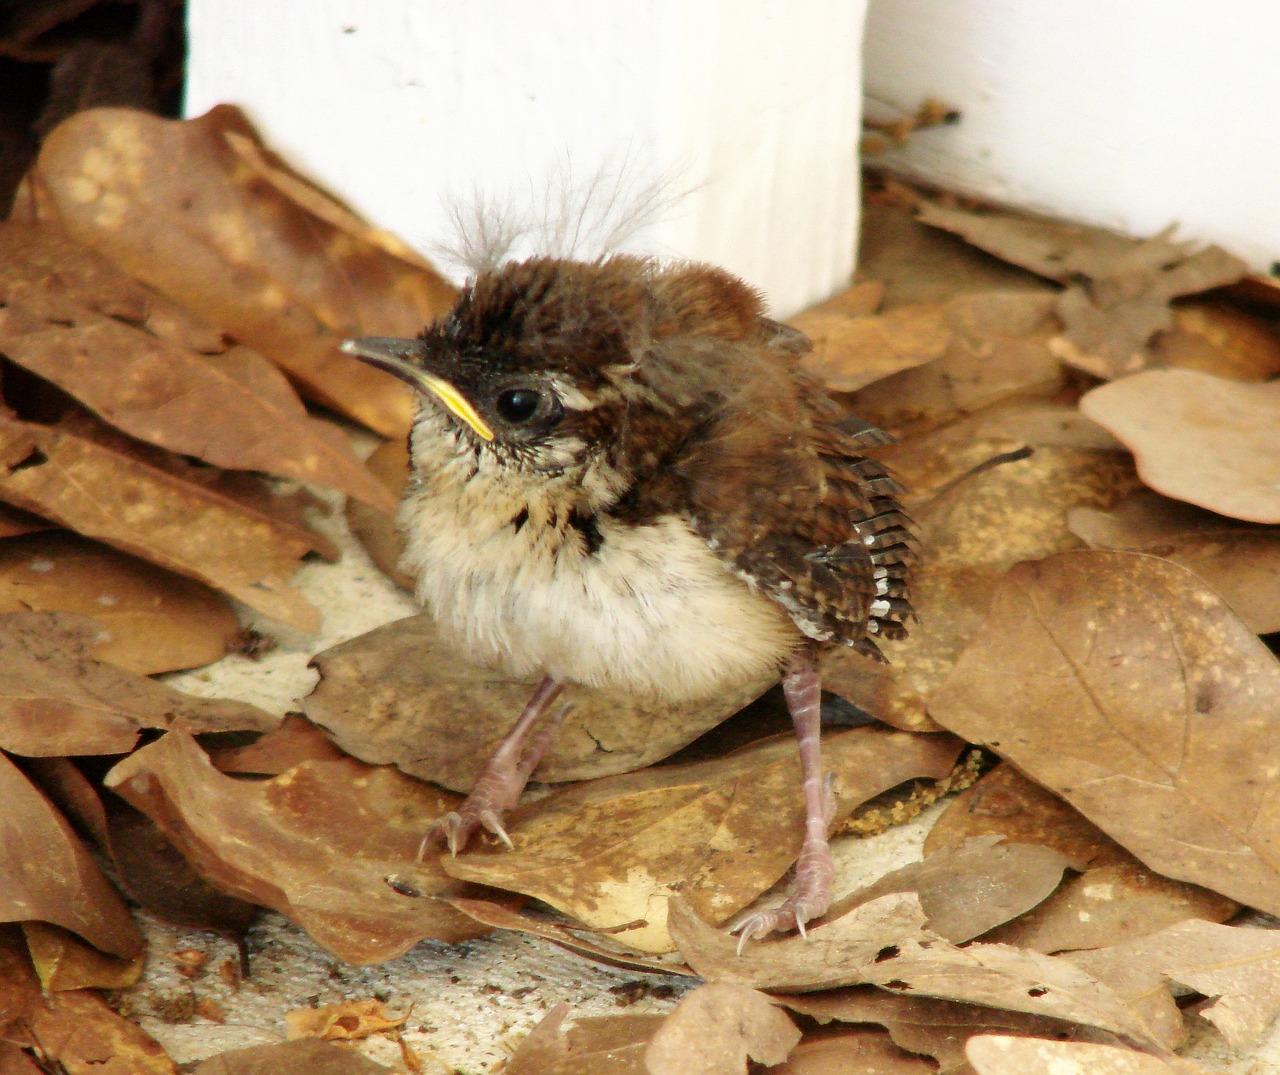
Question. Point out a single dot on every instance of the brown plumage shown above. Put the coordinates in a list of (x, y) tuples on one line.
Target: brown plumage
[(622, 476)]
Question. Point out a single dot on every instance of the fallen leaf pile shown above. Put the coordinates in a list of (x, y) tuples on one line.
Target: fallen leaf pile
[(1086, 426)]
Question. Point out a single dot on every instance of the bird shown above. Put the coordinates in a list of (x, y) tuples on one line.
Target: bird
[(621, 476)]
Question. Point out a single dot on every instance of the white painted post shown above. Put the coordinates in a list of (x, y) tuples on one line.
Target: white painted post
[(750, 106), (1133, 115)]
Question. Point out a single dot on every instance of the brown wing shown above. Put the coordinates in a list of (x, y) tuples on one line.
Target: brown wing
[(780, 488)]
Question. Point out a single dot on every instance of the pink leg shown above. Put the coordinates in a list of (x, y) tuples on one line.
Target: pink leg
[(504, 776), (811, 892)]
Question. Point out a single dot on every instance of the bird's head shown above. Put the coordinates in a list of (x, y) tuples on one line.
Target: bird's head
[(549, 365)]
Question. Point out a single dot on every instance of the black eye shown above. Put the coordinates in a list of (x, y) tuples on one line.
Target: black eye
[(518, 404)]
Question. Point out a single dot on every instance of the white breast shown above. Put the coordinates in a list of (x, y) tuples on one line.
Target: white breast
[(652, 610)]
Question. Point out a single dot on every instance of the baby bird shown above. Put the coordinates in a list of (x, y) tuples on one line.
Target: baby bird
[(621, 477)]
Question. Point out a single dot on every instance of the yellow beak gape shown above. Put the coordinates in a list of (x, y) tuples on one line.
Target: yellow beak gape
[(396, 357), (457, 403)]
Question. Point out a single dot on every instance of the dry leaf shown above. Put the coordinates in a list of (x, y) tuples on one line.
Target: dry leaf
[(918, 264), (936, 1028), (377, 530), (152, 620), (46, 873), (999, 1054), (308, 1055), (347, 1021), (613, 1043), (201, 212), (19, 987), (1238, 966), (86, 1037), (851, 352), (15, 523), (1241, 561), (1123, 684), (716, 1029), (332, 845), (968, 890), (1214, 337), (63, 961), (852, 1052), (719, 832), (1195, 437), (401, 694), (503, 916), (14, 1061), (1118, 291), (149, 513), (291, 742), (1114, 898), (972, 527), (885, 943), (56, 699), (232, 409), (999, 348)]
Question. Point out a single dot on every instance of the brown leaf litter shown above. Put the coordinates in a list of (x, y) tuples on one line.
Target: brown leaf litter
[(1126, 686), (333, 845), (204, 213)]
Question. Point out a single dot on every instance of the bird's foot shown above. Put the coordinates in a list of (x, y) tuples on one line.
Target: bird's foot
[(810, 894), (456, 828), (809, 898)]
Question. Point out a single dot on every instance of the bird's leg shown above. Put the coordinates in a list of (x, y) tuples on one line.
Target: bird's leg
[(504, 776), (811, 891)]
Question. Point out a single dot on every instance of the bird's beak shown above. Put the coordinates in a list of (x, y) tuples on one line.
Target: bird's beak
[(397, 357)]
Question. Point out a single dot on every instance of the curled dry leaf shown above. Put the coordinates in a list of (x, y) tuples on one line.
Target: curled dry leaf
[(612, 1043), (348, 1021), (151, 619), (504, 916), (884, 943), (377, 530), (851, 352), (153, 388), (63, 961), (201, 211), (716, 1029), (1123, 684), (19, 987), (1238, 966), (49, 875), (968, 890), (720, 832), (1000, 1054), (15, 1061), (1241, 561), (332, 845), (401, 694), (313, 1057), (140, 509), (1199, 438), (925, 1025), (15, 523), (85, 1037), (1113, 898), (56, 699), (1118, 289)]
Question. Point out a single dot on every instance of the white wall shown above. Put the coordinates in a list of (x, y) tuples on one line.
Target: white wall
[(1128, 113), (751, 105)]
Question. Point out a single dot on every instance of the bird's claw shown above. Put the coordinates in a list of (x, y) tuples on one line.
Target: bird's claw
[(792, 914), (456, 828)]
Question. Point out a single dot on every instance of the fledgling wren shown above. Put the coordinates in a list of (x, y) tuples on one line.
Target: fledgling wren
[(621, 477)]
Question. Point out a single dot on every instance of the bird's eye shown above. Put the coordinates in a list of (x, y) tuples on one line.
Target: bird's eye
[(518, 404)]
